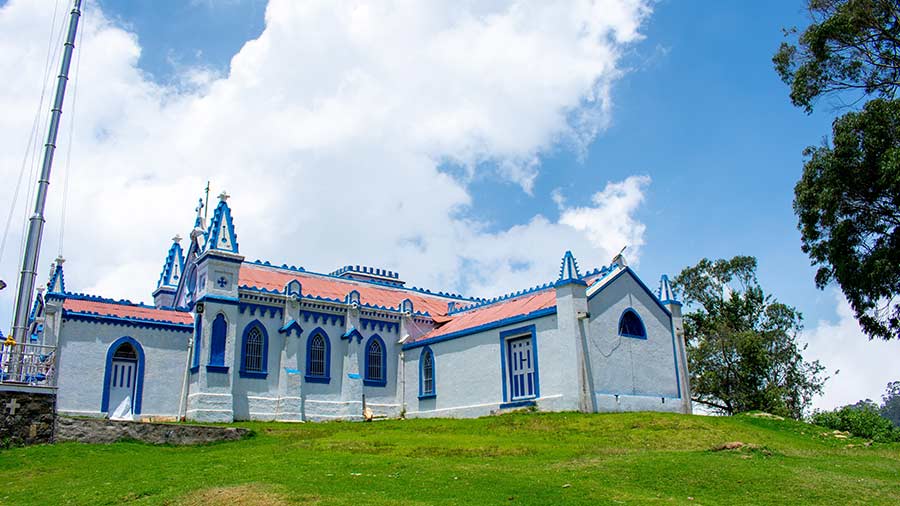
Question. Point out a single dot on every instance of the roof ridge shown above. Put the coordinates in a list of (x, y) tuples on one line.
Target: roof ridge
[(120, 302), (380, 284)]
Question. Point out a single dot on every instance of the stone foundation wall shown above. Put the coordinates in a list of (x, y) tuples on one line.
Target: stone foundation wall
[(86, 430), (26, 415)]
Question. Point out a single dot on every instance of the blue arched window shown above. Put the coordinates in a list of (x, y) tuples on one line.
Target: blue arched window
[(630, 325), (198, 332), (426, 374), (376, 363), (254, 351), (318, 357), (217, 345)]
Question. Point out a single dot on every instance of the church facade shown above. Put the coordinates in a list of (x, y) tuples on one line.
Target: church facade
[(229, 339)]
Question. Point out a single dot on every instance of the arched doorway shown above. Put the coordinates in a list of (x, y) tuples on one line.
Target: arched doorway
[(123, 381)]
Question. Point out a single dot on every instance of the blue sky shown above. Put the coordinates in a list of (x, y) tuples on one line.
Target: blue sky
[(700, 111), (458, 121)]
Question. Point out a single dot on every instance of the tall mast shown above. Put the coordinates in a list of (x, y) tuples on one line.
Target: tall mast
[(36, 222)]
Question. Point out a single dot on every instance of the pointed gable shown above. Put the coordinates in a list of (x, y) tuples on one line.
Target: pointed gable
[(174, 267), (568, 271), (220, 235), (57, 282)]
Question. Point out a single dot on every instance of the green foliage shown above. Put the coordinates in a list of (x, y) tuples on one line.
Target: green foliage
[(862, 419), (523, 458), (849, 45), (890, 408), (742, 343), (848, 203)]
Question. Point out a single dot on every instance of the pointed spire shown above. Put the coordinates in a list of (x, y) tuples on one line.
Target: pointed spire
[(57, 282), (568, 271), (569, 268), (220, 235), (174, 266), (665, 293)]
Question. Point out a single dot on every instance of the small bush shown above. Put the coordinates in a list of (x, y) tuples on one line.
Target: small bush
[(859, 420)]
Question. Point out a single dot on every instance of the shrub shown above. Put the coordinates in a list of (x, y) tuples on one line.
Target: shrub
[(861, 420)]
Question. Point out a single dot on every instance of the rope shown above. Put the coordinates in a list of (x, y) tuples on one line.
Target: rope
[(65, 195), (32, 137)]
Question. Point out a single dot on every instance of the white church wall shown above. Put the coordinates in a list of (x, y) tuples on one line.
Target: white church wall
[(83, 348), (631, 374), (468, 376)]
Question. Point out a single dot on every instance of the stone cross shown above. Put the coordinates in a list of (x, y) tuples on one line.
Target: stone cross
[(12, 405)]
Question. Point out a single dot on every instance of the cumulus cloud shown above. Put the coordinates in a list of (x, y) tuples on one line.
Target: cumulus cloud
[(330, 130), (859, 368)]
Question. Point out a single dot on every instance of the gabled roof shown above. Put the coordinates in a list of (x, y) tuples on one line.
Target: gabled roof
[(126, 310), (220, 236), (325, 286)]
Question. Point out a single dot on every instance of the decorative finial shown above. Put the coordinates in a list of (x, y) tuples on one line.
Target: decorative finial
[(199, 207), (176, 239), (60, 260), (224, 196)]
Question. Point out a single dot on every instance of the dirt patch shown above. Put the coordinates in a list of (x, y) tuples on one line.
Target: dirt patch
[(747, 449), (250, 494)]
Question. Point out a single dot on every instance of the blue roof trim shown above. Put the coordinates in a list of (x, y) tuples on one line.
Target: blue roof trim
[(367, 281), (350, 334), (639, 282), (328, 299), (165, 277), (222, 212), (120, 302), (58, 275), (481, 328), (126, 322), (569, 268), (291, 327)]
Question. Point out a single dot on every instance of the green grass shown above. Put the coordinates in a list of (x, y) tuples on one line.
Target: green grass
[(528, 458)]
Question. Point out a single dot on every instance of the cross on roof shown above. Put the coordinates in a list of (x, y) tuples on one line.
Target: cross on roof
[(176, 239), (224, 196)]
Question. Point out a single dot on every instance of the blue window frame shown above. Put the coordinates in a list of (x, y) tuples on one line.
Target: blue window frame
[(519, 367), (198, 333), (376, 363), (631, 325), (426, 374), (254, 351), (217, 340), (318, 357), (129, 348)]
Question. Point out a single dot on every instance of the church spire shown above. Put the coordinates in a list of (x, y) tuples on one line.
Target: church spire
[(666, 294), (220, 235), (57, 282), (568, 271), (174, 266)]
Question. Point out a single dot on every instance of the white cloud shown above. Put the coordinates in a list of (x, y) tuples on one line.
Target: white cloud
[(329, 131), (865, 366)]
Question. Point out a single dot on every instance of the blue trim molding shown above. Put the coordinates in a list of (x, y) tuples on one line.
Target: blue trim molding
[(217, 343), (139, 377), (381, 324), (507, 335), (375, 382), (310, 378), (265, 351), (291, 327), (633, 315), (639, 282), (426, 355), (350, 334), (481, 328)]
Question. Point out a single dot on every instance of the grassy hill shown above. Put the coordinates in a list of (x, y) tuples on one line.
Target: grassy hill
[(527, 458)]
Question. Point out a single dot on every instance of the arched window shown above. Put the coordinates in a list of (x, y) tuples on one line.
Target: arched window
[(426, 374), (217, 345), (630, 325), (318, 357), (376, 364), (254, 351)]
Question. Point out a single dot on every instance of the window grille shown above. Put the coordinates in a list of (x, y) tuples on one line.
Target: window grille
[(374, 356), (317, 356), (253, 351), (428, 373)]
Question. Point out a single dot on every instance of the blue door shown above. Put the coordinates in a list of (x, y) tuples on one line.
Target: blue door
[(520, 358)]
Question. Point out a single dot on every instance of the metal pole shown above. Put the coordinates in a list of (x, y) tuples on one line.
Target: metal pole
[(36, 222)]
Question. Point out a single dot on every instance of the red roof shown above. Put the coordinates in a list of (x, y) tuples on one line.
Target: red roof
[(509, 308), (127, 311), (318, 285)]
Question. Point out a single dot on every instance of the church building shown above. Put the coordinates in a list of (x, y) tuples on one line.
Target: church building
[(229, 339)]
